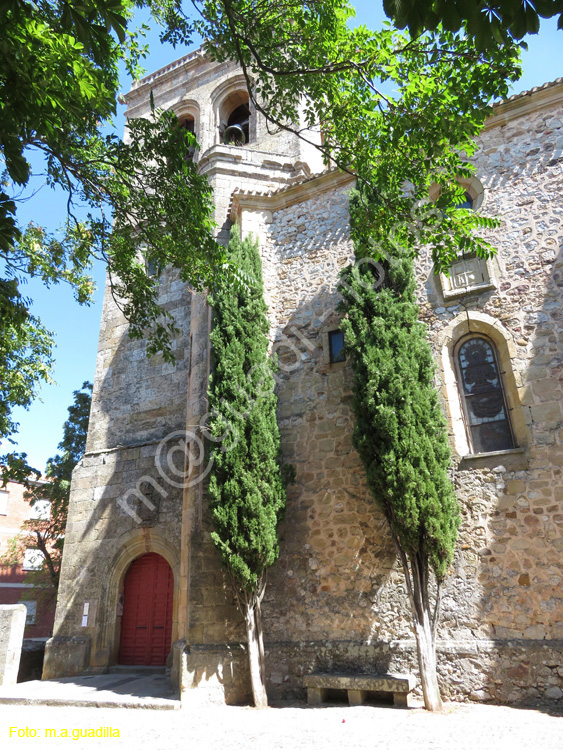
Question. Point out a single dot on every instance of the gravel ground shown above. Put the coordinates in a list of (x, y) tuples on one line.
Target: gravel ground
[(294, 727)]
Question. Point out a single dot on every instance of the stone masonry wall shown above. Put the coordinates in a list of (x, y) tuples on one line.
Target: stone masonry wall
[(336, 599), (512, 536), (337, 584), (138, 398), (12, 625), (336, 555)]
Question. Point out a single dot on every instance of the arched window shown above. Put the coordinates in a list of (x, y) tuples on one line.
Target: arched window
[(473, 195), (237, 130), (467, 201), (482, 393), (188, 123)]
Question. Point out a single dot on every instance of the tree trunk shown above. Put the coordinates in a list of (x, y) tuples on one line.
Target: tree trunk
[(255, 653), (425, 624), (426, 650), (54, 574), (260, 635)]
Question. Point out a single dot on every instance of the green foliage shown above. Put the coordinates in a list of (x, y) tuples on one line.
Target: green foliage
[(25, 355), (58, 79), (393, 111), (58, 90), (144, 220), (400, 432), (246, 489), (490, 23), (47, 535), (60, 467)]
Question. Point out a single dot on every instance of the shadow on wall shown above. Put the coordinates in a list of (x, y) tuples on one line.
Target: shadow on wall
[(336, 599), (120, 507), (502, 603), (126, 502)]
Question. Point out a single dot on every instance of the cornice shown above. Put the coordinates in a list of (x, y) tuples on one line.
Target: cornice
[(526, 103), (163, 75), (288, 196)]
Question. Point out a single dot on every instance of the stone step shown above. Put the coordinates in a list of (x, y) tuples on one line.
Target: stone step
[(121, 690), (135, 669)]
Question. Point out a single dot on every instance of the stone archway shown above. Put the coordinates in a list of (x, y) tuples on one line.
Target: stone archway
[(134, 544)]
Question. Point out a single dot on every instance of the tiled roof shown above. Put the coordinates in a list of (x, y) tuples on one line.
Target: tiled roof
[(529, 92)]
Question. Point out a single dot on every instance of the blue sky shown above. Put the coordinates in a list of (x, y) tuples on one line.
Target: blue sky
[(76, 328)]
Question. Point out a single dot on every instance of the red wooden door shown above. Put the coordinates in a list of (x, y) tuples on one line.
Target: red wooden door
[(146, 624)]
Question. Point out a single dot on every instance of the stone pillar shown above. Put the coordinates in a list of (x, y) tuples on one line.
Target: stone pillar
[(12, 625), (315, 696), (357, 697), (192, 494)]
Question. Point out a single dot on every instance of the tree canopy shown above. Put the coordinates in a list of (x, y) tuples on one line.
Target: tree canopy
[(126, 202), (394, 111), (489, 23)]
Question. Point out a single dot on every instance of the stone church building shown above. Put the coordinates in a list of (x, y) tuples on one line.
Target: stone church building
[(141, 583)]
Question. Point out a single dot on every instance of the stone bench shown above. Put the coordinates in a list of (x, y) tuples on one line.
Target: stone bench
[(358, 686)]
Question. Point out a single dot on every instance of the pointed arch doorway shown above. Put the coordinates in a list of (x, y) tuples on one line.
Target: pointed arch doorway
[(146, 624)]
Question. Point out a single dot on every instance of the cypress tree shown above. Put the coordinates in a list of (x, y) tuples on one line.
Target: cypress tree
[(246, 491), (400, 432)]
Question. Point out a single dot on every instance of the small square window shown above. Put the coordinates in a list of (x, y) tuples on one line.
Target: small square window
[(31, 617), (32, 559), (4, 502), (336, 347)]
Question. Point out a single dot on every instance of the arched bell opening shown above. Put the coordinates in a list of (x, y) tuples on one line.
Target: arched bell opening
[(234, 119)]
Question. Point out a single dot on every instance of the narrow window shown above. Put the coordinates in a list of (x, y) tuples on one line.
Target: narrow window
[(236, 130), (336, 347), (151, 267), (188, 124), (482, 393)]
